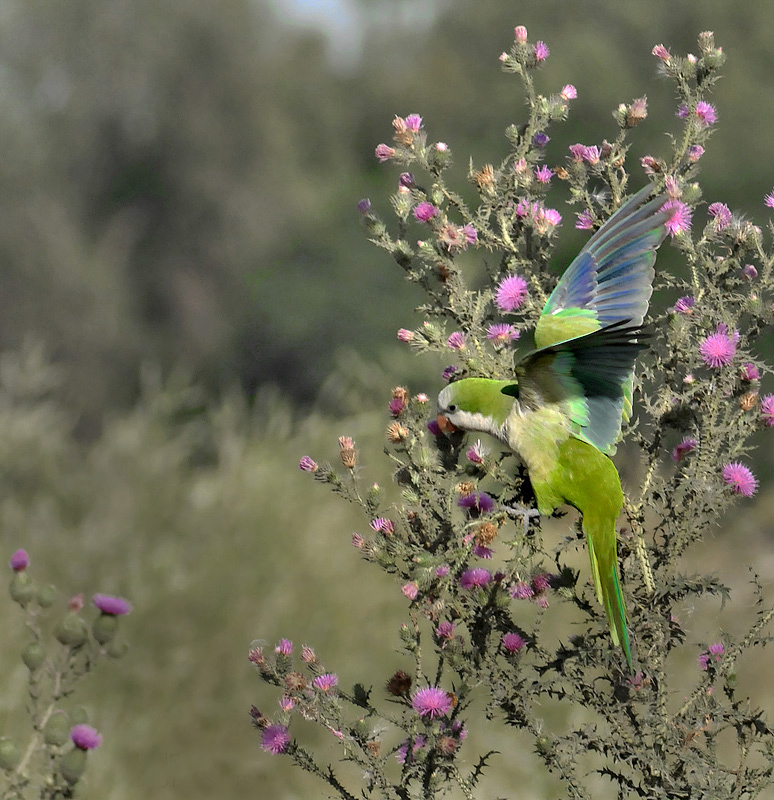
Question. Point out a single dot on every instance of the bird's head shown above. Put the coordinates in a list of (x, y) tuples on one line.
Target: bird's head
[(474, 404)]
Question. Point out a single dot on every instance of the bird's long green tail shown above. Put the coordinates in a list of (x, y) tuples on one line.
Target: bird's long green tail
[(601, 539)]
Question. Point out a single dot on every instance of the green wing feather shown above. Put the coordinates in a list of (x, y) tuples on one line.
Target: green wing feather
[(610, 280), (586, 375)]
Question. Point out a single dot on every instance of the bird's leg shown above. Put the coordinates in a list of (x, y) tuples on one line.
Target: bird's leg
[(522, 512)]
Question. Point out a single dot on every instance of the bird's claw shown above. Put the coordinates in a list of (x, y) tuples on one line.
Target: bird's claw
[(518, 511)]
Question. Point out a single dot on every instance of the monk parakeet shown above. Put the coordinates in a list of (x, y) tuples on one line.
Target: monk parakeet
[(561, 412)]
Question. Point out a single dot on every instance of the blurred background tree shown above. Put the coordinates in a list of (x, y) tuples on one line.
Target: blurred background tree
[(178, 188)]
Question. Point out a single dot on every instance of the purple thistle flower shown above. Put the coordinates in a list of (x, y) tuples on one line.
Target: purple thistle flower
[(680, 220), (750, 372), (397, 406), (512, 642), (544, 174), (431, 702), (410, 590), (432, 426), (569, 92), (511, 293), (541, 51), (382, 525), (687, 445), (721, 215), (706, 113), (501, 333), (749, 272), (405, 335), (308, 655), (406, 180), (442, 571), (477, 503), (740, 478), (685, 305), (714, 653), (284, 647), (546, 219), (659, 51), (718, 349), (767, 409), (326, 683), (541, 139), (307, 464), (384, 152), (413, 122), (522, 591), (477, 453), (19, 561), (470, 233), (477, 577), (769, 200), (112, 606), (682, 111), (426, 211), (85, 737), (577, 151), (542, 582), (591, 154), (402, 752), (456, 341), (275, 739), (481, 551), (364, 205), (445, 630), (695, 152), (286, 703), (449, 372), (584, 222)]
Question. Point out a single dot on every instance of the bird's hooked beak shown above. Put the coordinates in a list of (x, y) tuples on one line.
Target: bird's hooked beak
[(445, 425)]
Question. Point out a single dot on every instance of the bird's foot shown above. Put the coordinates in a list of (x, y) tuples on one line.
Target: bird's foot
[(518, 511)]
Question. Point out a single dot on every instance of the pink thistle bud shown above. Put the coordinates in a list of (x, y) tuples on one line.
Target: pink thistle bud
[(308, 655), (456, 341), (405, 335), (410, 590), (445, 630), (443, 570), (384, 152), (306, 464), (85, 737), (382, 525), (357, 540), (364, 205), (695, 152), (750, 372), (543, 174), (584, 221), (721, 215), (520, 34), (687, 445), (522, 591), (541, 51), (284, 647), (76, 603), (113, 606), (425, 212), (19, 561), (659, 51), (441, 147), (512, 642), (749, 272), (569, 92)]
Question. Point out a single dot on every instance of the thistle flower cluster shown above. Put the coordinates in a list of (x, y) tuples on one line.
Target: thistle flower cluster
[(492, 594), (63, 648)]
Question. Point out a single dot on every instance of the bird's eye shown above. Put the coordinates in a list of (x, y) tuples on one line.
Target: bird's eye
[(452, 408)]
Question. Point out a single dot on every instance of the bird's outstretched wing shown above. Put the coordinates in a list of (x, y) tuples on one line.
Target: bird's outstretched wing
[(586, 376), (611, 279)]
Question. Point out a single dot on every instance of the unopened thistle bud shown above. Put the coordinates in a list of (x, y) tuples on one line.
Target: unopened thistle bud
[(57, 730), (71, 630), (33, 656), (73, 764), (9, 754), (47, 596)]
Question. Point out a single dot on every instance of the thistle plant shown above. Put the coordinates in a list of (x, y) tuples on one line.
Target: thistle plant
[(489, 596), (49, 758)]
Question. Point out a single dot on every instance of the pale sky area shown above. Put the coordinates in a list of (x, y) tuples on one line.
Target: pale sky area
[(345, 21)]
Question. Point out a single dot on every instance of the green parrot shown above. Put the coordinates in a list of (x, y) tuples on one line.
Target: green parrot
[(562, 411)]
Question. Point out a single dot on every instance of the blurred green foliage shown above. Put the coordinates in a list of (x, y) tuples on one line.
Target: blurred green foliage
[(178, 189)]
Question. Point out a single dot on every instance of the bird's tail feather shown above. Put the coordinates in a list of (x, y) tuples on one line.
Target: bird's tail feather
[(607, 583)]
